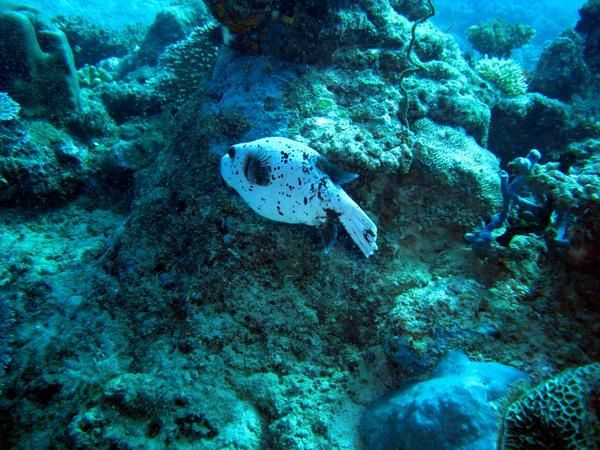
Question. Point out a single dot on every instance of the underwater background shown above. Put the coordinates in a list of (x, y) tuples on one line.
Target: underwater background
[(144, 305)]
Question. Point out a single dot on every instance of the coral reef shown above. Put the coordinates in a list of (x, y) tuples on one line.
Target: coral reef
[(37, 63), (510, 199), (9, 109), (91, 42), (456, 408), (187, 64), (567, 69), (561, 71), (453, 159), (39, 164), (154, 309), (498, 38), (127, 99), (559, 413), (505, 74), (573, 187), (179, 413), (412, 9), (538, 122), (589, 26), (169, 26)]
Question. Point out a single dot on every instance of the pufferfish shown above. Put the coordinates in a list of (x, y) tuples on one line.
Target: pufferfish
[(287, 181)]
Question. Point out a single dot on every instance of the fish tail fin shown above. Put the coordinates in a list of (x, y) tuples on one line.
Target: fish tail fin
[(359, 226)]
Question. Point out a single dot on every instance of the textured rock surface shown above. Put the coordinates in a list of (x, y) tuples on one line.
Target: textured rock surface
[(457, 408), (561, 71), (538, 122), (91, 42), (589, 26)]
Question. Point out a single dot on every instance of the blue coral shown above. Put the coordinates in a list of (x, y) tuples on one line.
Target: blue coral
[(510, 197), (9, 109)]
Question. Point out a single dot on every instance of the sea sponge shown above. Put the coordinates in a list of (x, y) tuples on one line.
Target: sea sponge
[(37, 67), (505, 74), (559, 413)]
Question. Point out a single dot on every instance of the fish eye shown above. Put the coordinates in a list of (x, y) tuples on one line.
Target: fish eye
[(231, 152)]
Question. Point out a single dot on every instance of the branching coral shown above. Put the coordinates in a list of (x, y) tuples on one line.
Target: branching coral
[(510, 198), (9, 109), (187, 63), (505, 74)]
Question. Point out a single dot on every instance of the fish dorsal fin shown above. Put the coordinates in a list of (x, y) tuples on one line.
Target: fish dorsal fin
[(257, 168), (337, 175)]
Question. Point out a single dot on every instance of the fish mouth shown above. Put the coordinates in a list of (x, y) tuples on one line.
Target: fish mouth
[(225, 168)]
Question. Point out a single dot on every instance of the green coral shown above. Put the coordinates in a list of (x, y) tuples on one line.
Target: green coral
[(505, 74), (498, 37), (92, 76), (561, 413), (575, 188)]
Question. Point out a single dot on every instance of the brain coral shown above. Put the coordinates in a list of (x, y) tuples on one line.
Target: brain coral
[(561, 413)]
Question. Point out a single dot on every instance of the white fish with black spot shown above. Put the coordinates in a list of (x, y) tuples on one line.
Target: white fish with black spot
[(287, 181)]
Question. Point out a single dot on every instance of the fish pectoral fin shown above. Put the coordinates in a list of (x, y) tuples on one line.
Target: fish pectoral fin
[(337, 175), (329, 234)]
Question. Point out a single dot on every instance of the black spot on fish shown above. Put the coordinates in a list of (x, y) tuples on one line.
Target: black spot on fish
[(322, 187), (368, 235), (305, 200), (257, 169)]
